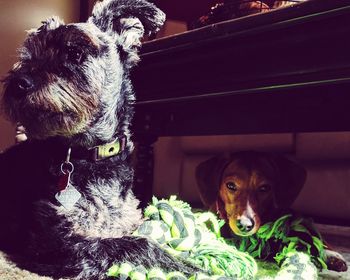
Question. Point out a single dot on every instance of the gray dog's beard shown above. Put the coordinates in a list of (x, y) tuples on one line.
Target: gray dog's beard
[(56, 110)]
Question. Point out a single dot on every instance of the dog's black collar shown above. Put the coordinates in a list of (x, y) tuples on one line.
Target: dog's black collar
[(100, 152)]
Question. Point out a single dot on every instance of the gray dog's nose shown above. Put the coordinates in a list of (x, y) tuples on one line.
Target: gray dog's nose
[(245, 224), (25, 83)]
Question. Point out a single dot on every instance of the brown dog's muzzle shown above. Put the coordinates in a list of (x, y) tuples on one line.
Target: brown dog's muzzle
[(244, 224)]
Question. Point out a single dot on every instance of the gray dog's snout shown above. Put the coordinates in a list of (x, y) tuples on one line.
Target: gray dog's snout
[(24, 83)]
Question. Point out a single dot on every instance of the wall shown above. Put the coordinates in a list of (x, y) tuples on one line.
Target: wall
[(16, 16)]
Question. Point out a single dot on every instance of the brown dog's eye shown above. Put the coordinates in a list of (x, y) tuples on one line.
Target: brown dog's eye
[(232, 186), (264, 188)]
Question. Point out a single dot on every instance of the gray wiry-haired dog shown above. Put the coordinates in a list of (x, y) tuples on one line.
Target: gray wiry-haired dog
[(65, 214)]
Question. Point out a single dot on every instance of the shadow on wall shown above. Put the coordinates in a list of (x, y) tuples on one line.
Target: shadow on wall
[(16, 16)]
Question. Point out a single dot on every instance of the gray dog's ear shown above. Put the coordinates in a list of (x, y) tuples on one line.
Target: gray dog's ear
[(51, 23), (130, 20), (291, 179), (208, 176)]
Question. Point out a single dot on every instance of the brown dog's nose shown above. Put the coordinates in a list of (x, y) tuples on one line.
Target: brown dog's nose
[(24, 83), (245, 224)]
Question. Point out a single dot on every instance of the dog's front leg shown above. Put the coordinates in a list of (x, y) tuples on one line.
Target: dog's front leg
[(95, 256), (335, 261)]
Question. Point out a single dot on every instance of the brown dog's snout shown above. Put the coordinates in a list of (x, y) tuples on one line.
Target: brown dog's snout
[(245, 224)]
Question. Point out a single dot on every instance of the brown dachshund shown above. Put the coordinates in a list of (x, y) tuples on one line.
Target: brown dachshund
[(251, 188)]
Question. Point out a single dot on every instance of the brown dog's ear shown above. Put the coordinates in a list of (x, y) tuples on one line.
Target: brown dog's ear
[(290, 181), (208, 176)]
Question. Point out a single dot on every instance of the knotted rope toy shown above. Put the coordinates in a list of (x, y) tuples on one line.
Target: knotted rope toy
[(296, 265), (185, 234), (196, 237)]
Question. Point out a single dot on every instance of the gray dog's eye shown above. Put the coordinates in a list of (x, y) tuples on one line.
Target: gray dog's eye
[(75, 54), (232, 186)]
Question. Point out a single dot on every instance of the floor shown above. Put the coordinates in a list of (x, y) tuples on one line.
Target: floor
[(338, 237)]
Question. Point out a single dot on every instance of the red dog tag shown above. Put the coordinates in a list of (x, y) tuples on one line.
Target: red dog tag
[(64, 180)]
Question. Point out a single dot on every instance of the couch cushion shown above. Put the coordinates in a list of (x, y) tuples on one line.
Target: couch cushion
[(323, 146)]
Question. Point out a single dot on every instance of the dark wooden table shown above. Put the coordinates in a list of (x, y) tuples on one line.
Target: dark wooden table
[(283, 71)]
